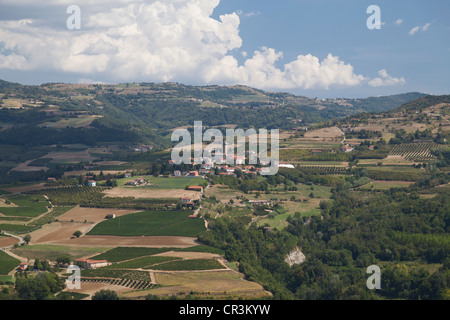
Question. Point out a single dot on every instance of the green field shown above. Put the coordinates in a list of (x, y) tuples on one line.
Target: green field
[(6, 278), (120, 274), (7, 263), (26, 206), (144, 262), (151, 223), (189, 265), (386, 185), (53, 252), (19, 228), (127, 253)]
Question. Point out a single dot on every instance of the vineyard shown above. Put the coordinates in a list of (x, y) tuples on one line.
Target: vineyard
[(70, 196), (325, 170), (415, 151), (93, 197), (308, 155), (128, 283)]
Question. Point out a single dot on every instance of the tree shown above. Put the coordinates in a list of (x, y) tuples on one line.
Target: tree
[(27, 238), (77, 233), (105, 295), (63, 261)]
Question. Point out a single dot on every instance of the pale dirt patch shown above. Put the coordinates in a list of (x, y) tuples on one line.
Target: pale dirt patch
[(100, 150), (23, 167), (77, 173), (144, 241), (110, 163), (64, 232), (333, 132), (93, 215), (77, 156), (46, 229), (152, 193), (34, 187)]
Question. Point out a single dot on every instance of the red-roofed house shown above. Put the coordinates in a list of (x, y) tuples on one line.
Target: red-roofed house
[(90, 264), (195, 188)]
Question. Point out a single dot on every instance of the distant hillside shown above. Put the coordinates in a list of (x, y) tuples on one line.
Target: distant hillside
[(378, 104), (423, 103), (148, 112)]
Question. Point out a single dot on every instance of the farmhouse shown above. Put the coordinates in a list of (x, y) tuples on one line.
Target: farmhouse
[(195, 188), (193, 174), (51, 179), (185, 200), (135, 182), (92, 183), (347, 149), (260, 202), (90, 264), (23, 266)]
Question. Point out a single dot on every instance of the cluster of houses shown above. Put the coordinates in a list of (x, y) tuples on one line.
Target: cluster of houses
[(143, 148), (225, 170), (135, 182)]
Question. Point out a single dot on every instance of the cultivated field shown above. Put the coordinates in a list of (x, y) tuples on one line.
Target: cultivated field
[(151, 223), (222, 283), (140, 192), (69, 157), (130, 241), (92, 215), (333, 132)]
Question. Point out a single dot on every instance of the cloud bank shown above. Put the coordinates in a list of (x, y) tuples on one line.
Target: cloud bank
[(171, 40)]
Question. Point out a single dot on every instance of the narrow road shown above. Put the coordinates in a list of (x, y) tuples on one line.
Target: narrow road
[(14, 236)]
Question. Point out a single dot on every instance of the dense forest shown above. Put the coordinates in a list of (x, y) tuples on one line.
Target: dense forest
[(388, 229)]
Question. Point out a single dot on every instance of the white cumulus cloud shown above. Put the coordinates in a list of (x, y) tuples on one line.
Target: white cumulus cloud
[(170, 40), (385, 79)]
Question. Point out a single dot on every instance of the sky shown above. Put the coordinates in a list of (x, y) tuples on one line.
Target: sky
[(315, 48)]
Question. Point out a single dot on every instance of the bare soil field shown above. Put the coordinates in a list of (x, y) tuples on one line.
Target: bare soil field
[(333, 132), (110, 163), (72, 221), (144, 241), (33, 187), (100, 150), (7, 241), (77, 173), (64, 232), (23, 167), (69, 157), (92, 215), (189, 255), (152, 193)]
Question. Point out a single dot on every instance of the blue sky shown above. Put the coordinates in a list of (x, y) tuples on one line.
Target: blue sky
[(316, 48)]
